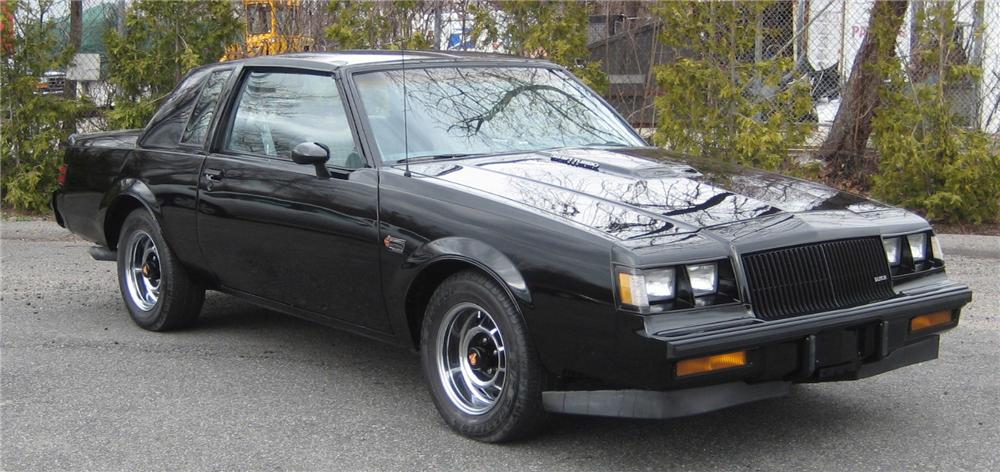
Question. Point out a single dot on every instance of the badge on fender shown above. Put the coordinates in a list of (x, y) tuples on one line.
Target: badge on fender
[(395, 245)]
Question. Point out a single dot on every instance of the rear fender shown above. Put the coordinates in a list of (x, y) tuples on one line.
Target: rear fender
[(120, 200)]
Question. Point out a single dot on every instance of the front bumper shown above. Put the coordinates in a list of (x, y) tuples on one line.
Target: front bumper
[(846, 344), (677, 403), (896, 312)]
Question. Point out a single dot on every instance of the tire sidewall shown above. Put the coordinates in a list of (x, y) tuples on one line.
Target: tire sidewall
[(464, 290), (140, 220)]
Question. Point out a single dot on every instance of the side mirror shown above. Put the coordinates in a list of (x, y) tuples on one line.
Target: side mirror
[(315, 154)]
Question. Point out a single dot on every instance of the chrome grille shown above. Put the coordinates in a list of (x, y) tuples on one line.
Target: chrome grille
[(818, 277)]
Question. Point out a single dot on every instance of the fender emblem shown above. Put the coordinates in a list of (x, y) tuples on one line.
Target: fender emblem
[(395, 245), (881, 278)]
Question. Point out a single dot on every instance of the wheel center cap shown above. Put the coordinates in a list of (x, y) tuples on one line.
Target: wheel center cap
[(481, 360), (150, 271)]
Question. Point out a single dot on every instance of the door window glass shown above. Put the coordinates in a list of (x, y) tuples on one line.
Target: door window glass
[(204, 109), (277, 111)]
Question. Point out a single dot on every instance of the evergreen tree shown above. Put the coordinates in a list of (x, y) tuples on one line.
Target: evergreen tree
[(161, 42)]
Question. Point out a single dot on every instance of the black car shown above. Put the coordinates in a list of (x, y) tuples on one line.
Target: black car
[(499, 217)]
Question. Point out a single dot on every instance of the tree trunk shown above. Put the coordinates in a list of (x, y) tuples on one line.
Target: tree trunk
[(844, 148), (75, 40)]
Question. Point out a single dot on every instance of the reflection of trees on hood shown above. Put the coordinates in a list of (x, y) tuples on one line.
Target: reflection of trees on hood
[(567, 198), (690, 200)]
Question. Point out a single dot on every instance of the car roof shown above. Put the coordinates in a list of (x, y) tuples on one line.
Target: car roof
[(340, 59)]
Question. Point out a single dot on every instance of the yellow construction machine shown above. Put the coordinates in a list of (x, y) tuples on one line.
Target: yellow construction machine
[(271, 28)]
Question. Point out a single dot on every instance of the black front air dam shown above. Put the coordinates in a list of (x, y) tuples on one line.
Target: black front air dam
[(920, 351), (660, 405)]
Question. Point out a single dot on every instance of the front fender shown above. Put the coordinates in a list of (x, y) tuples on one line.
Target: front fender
[(430, 263), (477, 253)]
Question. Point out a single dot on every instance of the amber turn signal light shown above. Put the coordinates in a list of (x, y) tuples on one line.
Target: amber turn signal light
[(701, 365), (930, 320)]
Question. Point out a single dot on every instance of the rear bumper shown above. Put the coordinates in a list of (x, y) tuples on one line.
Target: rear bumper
[(693, 401), (54, 205)]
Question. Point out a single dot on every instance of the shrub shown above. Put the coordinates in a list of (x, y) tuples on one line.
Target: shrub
[(34, 126), (932, 160), (161, 42), (552, 30), (719, 100)]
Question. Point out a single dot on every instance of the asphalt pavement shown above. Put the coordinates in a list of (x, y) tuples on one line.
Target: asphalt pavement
[(82, 388)]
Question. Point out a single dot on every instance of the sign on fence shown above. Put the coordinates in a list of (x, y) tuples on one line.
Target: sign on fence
[(84, 67)]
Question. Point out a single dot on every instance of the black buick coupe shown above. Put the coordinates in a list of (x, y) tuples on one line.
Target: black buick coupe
[(500, 218)]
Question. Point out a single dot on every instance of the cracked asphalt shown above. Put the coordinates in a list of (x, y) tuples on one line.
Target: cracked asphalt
[(82, 388)]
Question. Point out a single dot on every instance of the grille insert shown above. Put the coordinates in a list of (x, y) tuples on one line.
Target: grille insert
[(817, 277)]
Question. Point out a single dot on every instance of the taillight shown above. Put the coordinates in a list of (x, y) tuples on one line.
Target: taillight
[(62, 175)]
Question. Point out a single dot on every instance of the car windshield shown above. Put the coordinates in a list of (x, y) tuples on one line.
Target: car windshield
[(456, 111)]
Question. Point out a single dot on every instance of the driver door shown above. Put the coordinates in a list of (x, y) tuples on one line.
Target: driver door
[(272, 228)]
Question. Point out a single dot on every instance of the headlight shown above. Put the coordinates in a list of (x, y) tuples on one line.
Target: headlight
[(704, 278), (912, 254), (918, 246), (678, 287), (660, 284), (892, 250)]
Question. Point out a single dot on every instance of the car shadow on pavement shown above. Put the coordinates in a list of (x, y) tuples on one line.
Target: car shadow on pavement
[(811, 414), (266, 333)]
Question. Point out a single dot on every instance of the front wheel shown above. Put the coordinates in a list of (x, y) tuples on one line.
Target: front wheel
[(483, 373), (156, 289)]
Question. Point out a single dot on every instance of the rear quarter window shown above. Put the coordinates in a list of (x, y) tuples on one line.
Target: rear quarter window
[(204, 109), (165, 128)]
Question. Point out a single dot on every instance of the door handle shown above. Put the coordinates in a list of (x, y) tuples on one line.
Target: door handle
[(214, 175)]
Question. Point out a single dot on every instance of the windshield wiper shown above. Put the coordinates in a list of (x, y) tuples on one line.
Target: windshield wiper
[(608, 143), (435, 157)]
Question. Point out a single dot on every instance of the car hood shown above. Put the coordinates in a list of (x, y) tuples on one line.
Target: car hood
[(641, 192)]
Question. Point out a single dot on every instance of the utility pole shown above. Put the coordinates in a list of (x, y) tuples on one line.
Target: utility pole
[(801, 11), (978, 11), (437, 26), (75, 36), (465, 11), (75, 40)]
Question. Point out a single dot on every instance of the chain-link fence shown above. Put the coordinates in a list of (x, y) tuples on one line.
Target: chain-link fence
[(821, 39), (81, 26)]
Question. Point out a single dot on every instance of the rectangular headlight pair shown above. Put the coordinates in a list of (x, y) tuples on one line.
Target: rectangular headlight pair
[(913, 248), (644, 288)]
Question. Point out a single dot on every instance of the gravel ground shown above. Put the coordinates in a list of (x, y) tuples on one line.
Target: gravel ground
[(82, 388)]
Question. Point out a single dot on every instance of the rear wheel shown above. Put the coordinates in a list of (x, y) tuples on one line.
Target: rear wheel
[(483, 373), (156, 289)]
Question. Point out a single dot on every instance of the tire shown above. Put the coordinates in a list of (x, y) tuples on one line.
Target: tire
[(462, 313), (160, 295)]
